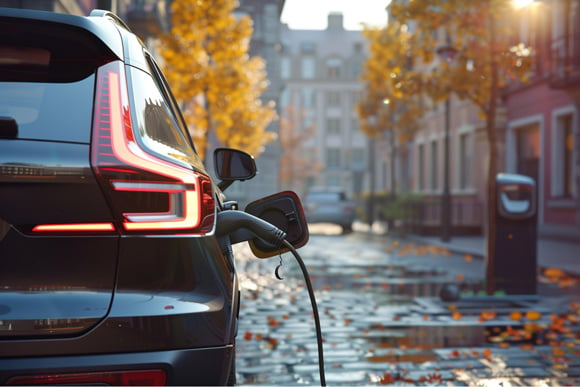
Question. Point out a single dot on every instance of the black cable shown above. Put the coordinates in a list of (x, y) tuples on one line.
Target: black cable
[(314, 311)]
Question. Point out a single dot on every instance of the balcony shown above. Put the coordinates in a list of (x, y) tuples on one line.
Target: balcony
[(148, 18), (565, 69)]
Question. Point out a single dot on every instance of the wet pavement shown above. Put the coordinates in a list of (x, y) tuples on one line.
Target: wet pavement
[(383, 321)]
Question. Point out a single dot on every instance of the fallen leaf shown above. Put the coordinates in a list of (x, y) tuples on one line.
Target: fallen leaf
[(248, 336), (552, 272), (488, 315), (516, 316), (487, 353), (558, 352), (468, 257), (456, 316), (533, 315)]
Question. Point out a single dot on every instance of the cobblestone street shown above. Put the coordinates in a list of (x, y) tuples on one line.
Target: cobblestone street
[(383, 322)]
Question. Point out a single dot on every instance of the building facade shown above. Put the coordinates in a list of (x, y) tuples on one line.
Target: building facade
[(537, 129), (320, 69), (542, 133)]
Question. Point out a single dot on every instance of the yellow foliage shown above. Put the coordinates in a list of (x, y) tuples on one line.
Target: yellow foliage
[(391, 100), (481, 34), (205, 58)]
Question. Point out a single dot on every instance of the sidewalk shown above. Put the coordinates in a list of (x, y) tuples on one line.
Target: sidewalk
[(551, 253)]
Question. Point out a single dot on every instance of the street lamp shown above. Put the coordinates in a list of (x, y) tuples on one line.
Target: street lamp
[(447, 53)]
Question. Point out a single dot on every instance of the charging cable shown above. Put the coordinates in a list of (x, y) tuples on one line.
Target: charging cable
[(230, 221)]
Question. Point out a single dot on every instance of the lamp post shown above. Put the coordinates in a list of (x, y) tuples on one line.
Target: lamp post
[(447, 53)]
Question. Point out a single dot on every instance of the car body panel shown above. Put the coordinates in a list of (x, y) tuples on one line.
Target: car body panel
[(95, 301)]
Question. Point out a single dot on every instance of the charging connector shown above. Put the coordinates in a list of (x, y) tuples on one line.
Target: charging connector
[(242, 226)]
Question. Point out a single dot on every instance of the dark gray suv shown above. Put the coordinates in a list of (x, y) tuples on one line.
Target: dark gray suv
[(110, 269)]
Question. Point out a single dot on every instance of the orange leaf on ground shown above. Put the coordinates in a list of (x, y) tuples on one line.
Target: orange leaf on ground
[(533, 315), (460, 277), (456, 316), (558, 352), (516, 316), (553, 272), (488, 315), (248, 336), (487, 352)]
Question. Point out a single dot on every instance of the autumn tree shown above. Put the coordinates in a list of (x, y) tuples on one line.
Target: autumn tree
[(391, 98), (297, 164), (487, 55), (206, 60)]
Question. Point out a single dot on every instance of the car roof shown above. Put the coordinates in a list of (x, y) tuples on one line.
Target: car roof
[(97, 24)]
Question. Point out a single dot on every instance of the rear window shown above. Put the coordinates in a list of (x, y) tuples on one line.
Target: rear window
[(47, 79), (325, 196)]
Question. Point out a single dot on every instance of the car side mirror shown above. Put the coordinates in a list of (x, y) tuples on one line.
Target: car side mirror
[(283, 210), (233, 165)]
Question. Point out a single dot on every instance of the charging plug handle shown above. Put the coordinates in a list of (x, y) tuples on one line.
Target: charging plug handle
[(230, 221)]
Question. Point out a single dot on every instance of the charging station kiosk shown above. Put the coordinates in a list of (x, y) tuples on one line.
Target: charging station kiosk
[(515, 268)]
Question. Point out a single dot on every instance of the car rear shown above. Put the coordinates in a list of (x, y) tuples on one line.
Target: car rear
[(109, 270), (329, 206)]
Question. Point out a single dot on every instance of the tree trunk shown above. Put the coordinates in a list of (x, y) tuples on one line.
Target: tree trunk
[(492, 164)]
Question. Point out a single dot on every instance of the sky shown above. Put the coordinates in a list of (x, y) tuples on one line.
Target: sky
[(313, 14)]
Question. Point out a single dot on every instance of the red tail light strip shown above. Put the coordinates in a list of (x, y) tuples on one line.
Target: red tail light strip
[(122, 166), (80, 227), (114, 378), (184, 201), (188, 209)]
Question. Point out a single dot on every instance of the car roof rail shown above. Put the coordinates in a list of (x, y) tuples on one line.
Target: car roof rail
[(111, 15)]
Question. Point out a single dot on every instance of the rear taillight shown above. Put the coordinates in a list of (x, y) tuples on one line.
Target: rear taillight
[(114, 378), (147, 193)]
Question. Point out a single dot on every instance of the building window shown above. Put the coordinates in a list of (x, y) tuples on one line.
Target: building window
[(333, 98), (286, 68), (434, 166), (464, 161), (354, 125), (333, 158), (308, 67), (357, 182), (308, 100), (357, 66), (358, 158), (333, 126), (421, 167), (333, 68), (563, 157), (528, 151)]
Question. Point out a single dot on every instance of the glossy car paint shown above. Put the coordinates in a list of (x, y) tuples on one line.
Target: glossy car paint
[(88, 301)]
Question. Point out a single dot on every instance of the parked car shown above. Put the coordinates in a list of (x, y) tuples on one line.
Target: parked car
[(329, 206), (116, 264)]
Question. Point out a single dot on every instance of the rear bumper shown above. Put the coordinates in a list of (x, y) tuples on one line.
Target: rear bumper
[(186, 367)]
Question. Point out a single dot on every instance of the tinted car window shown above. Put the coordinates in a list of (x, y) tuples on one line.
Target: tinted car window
[(324, 197), (47, 79), (156, 125), (45, 111)]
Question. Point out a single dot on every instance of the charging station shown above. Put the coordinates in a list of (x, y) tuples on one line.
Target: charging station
[(515, 269)]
